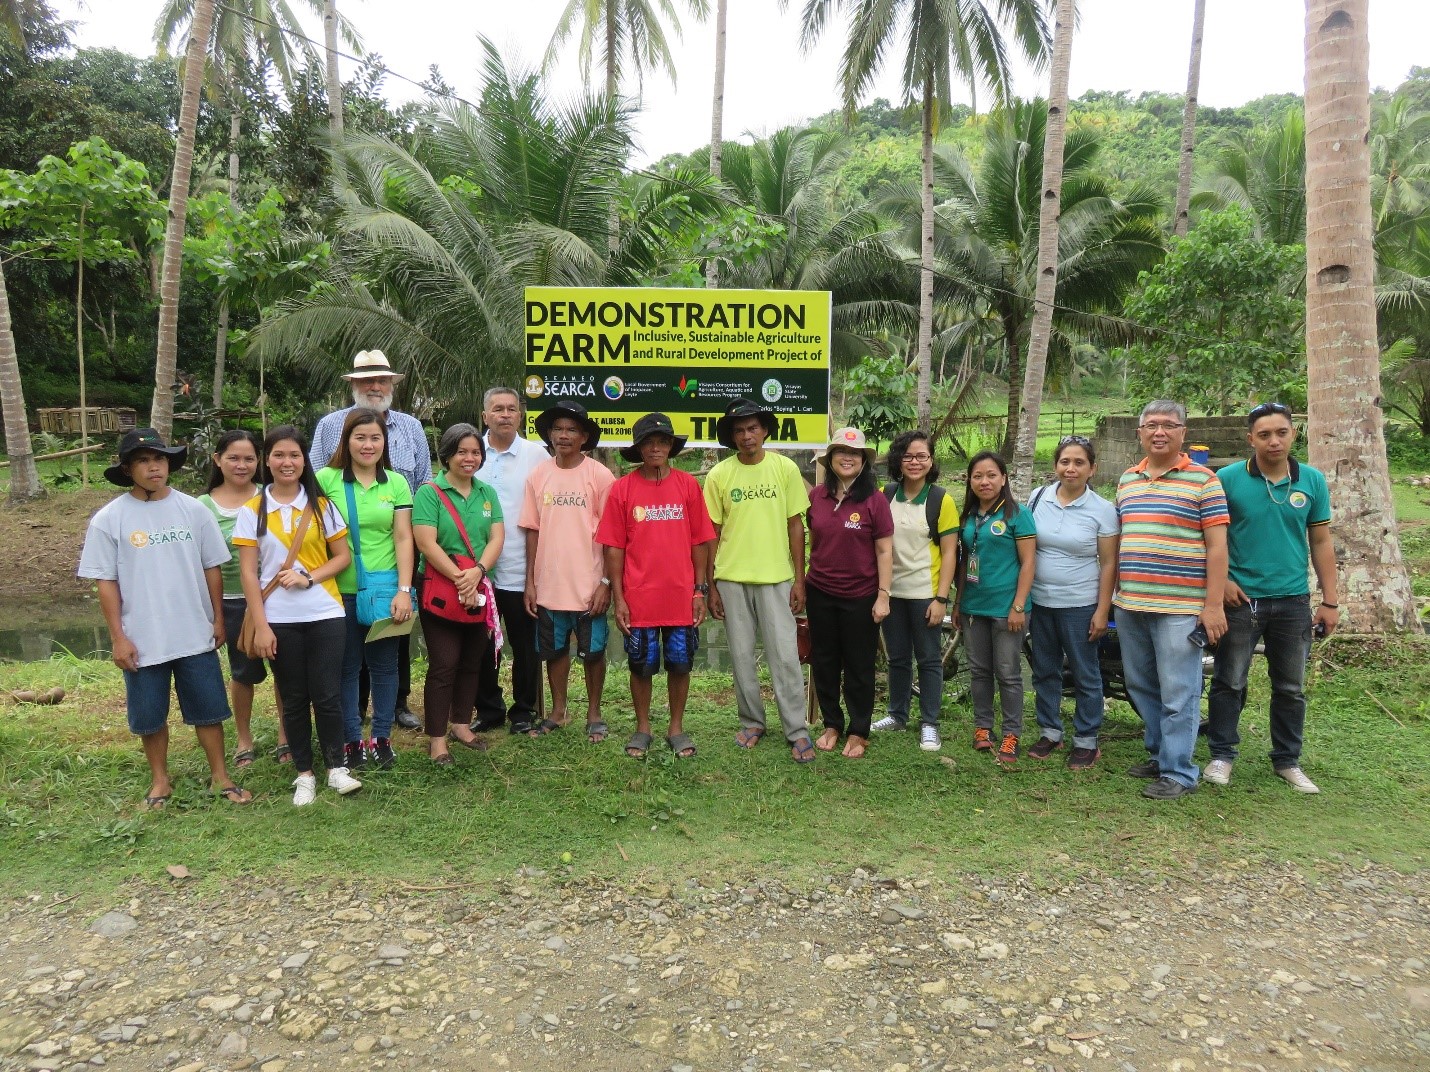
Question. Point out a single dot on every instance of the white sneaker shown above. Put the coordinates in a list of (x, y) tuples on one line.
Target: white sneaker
[(929, 740), (1218, 772), (1298, 780), (342, 781), (888, 722), (305, 789)]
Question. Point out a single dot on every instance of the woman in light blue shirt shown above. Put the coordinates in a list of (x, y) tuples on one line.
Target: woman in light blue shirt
[(1072, 598)]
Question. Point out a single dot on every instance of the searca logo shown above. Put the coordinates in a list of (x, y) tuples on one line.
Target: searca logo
[(563, 498), (759, 491)]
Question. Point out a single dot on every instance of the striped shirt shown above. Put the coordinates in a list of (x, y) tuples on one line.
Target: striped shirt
[(1162, 560)]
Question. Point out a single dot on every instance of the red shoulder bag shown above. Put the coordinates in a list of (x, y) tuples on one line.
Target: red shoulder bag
[(439, 593)]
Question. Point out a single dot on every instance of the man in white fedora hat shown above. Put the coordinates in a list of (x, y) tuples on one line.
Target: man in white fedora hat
[(372, 381)]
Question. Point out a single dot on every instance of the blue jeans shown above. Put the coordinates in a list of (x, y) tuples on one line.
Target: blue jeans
[(909, 638), (1163, 670), (1056, 632), (198, 682), (1284, 625), (381, 658)]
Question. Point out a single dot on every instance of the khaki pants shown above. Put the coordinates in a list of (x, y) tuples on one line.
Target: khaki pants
[(765, 607)]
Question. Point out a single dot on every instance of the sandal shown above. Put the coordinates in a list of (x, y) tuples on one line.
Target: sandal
[(546, 726), (282, 754), (234, 794), (682, 745), (244, 757), (157, 803), (597, 731), (639, 745), (749, 737), (802, 751)]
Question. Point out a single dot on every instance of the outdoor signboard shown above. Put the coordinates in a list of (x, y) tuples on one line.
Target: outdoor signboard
[(626, 351)]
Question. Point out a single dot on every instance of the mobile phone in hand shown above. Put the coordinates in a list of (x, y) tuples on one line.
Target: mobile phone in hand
[(1198, 636)]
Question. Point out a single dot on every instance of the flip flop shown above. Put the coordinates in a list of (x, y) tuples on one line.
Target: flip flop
[(283, 754), (639, 745), (546, 726), (748, 738), (597, 731), (234, 794), (682, 745), (156, 803), (244, 757), (802, 751)]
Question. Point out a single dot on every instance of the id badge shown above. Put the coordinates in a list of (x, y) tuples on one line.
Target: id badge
[(971, 574)]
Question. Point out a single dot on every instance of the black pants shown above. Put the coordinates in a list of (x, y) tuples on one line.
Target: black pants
[(308, 672), (520, 630), (455, 654), (843, 641)]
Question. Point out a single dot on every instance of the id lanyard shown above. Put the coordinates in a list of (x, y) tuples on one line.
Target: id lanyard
[(971, 572)]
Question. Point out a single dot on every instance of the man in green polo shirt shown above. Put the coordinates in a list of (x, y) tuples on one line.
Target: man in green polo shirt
[(1280, 511)]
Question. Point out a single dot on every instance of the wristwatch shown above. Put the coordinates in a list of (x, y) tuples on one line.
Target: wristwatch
[(407, 590), (703, 589), (606, 581), (941, 599), (1017, 608)]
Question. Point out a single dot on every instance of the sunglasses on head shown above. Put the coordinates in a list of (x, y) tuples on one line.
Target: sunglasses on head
[(1080, 440), (1265, 409)]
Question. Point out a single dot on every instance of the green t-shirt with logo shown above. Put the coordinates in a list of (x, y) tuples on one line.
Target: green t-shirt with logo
[(994, 540), (752, 505), (377, 507), (232, 582), (479, 512), (1267, 544)]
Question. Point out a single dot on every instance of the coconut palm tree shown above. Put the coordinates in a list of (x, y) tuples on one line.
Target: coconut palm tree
[(627, 35), (1264, 171), (947, 39), (717, 121), (24, 477), (161, 414), (1181, 216), (1046, 288), (1345, 426), (436, 250), (987, 234)]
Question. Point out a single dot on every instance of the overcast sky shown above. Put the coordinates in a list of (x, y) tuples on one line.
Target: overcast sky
[(1251, 48)]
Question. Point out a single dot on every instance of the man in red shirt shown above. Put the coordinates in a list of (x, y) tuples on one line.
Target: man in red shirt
[(657, 535)]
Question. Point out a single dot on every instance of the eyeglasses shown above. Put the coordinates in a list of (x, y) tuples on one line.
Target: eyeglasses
[(1269, 407), (1159, 427), (918, 457), (1079, 440)]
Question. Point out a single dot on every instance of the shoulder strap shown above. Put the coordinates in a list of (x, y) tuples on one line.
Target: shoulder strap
[(456, 518), (889, 490), (933, 506), (298, 535), (356, 541), (1033, 503)]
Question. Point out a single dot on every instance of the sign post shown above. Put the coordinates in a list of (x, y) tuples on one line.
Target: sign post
[(626, 351)]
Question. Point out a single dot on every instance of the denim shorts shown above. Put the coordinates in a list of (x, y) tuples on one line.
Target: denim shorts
[(554, 629), (241, 668), (198, 681), (646, 643)]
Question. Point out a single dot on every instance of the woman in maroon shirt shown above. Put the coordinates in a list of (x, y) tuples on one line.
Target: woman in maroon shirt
[(851, 559)]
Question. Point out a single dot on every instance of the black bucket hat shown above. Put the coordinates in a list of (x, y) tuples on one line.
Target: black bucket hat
[(739, 410), (649, 425), (577, 412), (135, 440)]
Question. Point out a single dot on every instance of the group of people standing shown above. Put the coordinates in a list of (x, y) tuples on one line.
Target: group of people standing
[(318, 572)]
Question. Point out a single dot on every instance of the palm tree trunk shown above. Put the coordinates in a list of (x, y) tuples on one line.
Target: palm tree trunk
[(924, 353), (24, 477), (717, 123), (1181, 220), (79, 353), (235, 127), (1045, 291), (335, 84), (613, 219), (1346, 433), (161, 414)]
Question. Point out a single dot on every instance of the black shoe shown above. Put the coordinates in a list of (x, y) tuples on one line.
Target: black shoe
[(1167, 789), (1083, 758), (1044, 748), (354, 756), (383, 757), (488, 725), (1146, 769), (521, 729), (406, 719)]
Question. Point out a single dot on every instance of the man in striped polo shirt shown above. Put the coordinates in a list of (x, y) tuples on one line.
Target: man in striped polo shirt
[(1171, 574), (1280, 513)]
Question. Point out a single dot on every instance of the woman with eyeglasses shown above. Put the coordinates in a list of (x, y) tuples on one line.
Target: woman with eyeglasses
[(1076, 569), (925, 552), (995, 575)]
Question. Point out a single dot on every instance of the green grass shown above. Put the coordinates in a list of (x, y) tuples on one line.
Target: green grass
[(71, 778)]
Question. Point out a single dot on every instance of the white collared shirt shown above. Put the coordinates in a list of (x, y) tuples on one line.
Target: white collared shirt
[(507, 470)]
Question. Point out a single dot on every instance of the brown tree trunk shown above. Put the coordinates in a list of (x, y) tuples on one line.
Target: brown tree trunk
[(1045, 292), (235, 127), (717, 123), (1181, 218), (161, 414), (924, 353), (1346, 433), (79, 353), (334, 82), (24, 477)]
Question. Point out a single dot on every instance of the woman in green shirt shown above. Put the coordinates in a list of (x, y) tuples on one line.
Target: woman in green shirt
[(233, 479), (455, 649), (376, 503), (998, 547)]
